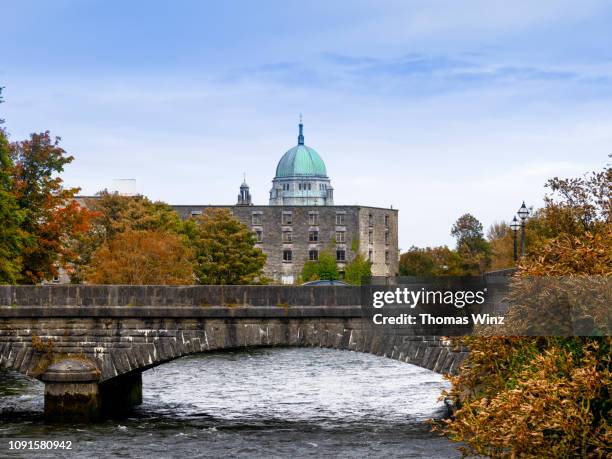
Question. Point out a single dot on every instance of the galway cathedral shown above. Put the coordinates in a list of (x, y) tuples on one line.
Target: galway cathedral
[(301, 220)]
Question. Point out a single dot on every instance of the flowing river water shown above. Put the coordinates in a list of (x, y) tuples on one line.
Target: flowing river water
[(255, 403)]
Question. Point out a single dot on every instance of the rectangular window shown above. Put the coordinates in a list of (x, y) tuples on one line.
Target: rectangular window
[(258, 235), (340, 237), (371, 236), (287, 220), (313, 218), (287, 256), (195, 213), (370, 220), (370, 255), (313, 236), (256, 219), (340, 255), (339, 219), (287, 236), (313, 255), (387, 221), (386, 256), (387, 237)]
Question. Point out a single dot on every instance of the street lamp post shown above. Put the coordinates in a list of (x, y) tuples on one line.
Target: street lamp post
[(514, 226), (523, 213)]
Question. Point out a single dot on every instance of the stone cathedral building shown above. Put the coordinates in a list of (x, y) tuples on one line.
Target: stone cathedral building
[(301, 220)]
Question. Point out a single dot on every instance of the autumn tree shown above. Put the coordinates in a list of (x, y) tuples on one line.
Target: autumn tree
[(547, 396), (471, 244), (117, 213), (573, 231), (141, 257), (416, 262), (224, 250), (52, 220), (114, 214), (501, 241), (430, 261), (11, 235)]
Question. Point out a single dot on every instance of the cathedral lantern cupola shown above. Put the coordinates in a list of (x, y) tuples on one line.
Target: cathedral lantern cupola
[(244, 198), (301, 177)]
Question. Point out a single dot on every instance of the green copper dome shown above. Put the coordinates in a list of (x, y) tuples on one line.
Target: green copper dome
[(301, 161)]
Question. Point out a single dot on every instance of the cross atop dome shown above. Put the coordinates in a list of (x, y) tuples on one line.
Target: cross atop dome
[(301, 134)]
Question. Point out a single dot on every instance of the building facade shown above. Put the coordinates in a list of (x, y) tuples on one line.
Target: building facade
[(301, 220), (292, 235)]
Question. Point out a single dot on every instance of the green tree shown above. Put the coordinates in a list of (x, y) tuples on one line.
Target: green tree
[(471, 244), (225, 251), (356, 269), (11, 235), (324, 268)]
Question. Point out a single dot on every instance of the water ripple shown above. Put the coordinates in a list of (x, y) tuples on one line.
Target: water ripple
[(257, 403)]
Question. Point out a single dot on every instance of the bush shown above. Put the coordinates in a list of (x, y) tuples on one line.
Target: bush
[(548, 396), (534, 397)]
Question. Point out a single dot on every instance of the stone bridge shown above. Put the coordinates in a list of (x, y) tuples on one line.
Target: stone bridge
[(89, 344)]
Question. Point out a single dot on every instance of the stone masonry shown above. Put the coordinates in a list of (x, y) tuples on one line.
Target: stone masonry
[(373, 229), (124, 329), (90, 344)]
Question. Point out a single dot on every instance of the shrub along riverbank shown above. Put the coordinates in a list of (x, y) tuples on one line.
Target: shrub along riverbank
[(546, 396)]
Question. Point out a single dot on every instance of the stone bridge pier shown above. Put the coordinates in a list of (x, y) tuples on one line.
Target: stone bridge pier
[(90, 344)]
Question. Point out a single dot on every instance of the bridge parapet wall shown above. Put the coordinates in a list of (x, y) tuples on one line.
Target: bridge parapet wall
[(126, 330), (179, 296)]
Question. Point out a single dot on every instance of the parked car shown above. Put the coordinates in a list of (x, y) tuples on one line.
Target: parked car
[(326, 282)]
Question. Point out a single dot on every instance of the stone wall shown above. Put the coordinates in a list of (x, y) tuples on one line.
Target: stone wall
[(356, 228), (126, 329), (383, 243)]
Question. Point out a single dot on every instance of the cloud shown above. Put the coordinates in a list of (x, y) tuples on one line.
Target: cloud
[(423, 75)]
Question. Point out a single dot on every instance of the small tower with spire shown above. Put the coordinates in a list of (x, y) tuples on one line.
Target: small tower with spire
[(244, 198)]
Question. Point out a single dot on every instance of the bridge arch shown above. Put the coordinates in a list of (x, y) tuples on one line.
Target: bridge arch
[(119, 346), (119, 331)]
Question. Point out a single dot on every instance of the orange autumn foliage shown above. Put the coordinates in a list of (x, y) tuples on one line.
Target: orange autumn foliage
[(52, 221), (142, 258), (547, 396)]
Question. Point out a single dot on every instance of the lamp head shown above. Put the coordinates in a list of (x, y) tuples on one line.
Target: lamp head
[(523, 212), (515, 225)]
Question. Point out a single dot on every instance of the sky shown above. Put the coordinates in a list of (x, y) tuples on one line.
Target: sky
[(436, 108)]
